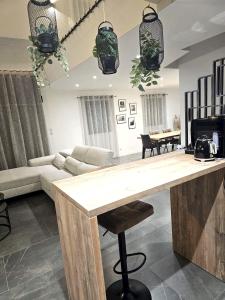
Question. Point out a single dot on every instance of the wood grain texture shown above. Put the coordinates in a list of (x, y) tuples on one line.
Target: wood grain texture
[(79, 237), (198, 222), (126, 183), (164, 135)]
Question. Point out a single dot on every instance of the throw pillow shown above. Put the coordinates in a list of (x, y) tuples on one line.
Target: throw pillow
[(72, 165), (59, 161)]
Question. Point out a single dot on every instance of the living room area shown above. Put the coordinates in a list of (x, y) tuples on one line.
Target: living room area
[(84, 139)]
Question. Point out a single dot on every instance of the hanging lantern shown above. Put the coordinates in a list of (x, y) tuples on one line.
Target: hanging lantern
[(43, 25), (107, 48), (151, 40)]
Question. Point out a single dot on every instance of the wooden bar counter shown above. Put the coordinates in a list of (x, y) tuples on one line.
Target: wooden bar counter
[(197, 209)]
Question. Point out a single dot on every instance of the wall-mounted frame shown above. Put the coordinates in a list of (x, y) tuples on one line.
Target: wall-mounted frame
[(133, 108), (131, 123), (121, 119), (122, 104)]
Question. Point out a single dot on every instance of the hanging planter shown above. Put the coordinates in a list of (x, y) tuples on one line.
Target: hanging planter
[(43, 25), (44, 38), (106, 49), (151, 40)]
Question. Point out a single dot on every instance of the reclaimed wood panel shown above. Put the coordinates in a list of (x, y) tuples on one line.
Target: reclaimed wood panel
[(79, 237), (198, 222)]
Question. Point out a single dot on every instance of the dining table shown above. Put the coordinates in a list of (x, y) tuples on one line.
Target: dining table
[(164, 136)]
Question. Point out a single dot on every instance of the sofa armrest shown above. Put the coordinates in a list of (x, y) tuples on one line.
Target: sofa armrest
[(41, 161)]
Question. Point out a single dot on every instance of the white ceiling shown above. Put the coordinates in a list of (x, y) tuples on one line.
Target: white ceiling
[(186, 22)]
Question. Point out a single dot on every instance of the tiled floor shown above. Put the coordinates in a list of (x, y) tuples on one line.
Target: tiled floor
[(31, 263)]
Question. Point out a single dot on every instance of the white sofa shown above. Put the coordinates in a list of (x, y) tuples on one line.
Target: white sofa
[(42, 171)]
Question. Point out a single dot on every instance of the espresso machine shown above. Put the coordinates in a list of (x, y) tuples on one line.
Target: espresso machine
[(211, 128)]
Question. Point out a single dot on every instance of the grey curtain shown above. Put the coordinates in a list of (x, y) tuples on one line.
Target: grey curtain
[(154, 112), (23, 132), (98, 118)]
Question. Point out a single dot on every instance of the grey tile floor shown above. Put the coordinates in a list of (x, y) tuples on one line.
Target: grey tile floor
[(31, 264)]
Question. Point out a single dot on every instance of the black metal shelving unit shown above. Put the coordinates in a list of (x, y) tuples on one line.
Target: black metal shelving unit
[(209, 98)]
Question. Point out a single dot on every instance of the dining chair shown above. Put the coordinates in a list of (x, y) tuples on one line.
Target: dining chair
[(147, 143)]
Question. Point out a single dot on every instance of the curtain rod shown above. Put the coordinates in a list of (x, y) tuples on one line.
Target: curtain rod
[(96, 96), (154, 94), (15, 71)]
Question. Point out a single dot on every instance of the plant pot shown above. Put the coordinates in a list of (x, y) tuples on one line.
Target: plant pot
[(47, 42), (108, 64), (151, 62)]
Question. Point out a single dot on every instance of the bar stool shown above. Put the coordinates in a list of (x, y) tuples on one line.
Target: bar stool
[(4, 214), (118, 221)]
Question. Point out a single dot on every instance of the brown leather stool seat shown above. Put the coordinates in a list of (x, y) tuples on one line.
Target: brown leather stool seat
[(118, 221), (125, 217)]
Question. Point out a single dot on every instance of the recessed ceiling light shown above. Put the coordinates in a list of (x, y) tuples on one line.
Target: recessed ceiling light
[(110, 85), (161, 78), (138, 56), (77, 85), (94, 77)]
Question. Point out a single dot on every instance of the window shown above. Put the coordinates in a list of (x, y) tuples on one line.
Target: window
[(154, 112), (98, 119)]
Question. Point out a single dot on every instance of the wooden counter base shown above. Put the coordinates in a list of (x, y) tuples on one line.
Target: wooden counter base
[(197, 208), (79, 237), (198, 222)]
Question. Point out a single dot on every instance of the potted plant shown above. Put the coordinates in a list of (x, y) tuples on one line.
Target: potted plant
[(141, 76), (106, 49)]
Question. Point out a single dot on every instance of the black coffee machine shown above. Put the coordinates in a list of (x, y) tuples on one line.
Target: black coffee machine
[(213, 128)]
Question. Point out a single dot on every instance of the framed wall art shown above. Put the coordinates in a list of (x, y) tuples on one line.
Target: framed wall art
[(122, 105), (131, 123)]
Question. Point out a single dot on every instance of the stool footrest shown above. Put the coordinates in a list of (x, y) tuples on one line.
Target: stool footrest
[(133, 270)]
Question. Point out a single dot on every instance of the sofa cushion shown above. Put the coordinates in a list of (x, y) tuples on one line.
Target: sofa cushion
[(41, 161), (59, 161), (86, 168), (71, 165), (93, 155), (99, 156), (80, 152), (48, 177), (17, 177)]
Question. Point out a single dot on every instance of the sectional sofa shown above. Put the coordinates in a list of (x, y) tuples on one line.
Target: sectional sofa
[(42, 171)]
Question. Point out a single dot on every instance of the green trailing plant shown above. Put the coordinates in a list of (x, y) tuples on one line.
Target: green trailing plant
[(141, 74), (150, 46), (106, 44), (141, 77), (39, 58)]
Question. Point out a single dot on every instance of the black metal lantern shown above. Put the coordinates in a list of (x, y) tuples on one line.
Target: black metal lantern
[(107, 48), (43, 25), (151, 40)]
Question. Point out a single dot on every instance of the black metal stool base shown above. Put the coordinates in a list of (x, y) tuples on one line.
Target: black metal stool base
[(138, 291)]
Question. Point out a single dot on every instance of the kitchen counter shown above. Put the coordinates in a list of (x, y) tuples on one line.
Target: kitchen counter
[(197, 208)]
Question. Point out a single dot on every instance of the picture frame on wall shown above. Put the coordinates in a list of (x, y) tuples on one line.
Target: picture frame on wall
[(133, 108), (131, 123), (121, 119), (122, 105)]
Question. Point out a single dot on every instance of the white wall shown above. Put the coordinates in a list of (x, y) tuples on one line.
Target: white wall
[(64, 123), (190, 71), (62, 119)]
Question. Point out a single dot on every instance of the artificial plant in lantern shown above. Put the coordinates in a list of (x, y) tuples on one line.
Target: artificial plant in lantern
[(44, 38), (145, 69), (106, 49), (151, 40)]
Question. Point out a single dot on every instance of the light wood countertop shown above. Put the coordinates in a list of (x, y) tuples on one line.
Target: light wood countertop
[(100, 191)]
